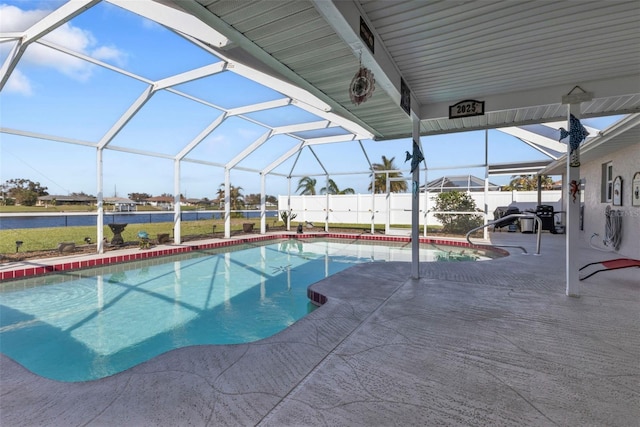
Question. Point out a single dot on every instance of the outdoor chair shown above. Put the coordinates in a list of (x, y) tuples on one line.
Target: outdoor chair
[(612, 264)]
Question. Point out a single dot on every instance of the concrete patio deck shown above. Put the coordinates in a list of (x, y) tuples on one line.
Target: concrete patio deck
[(469, 343)]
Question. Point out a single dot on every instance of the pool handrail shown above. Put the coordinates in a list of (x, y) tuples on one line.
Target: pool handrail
[(502, 219)]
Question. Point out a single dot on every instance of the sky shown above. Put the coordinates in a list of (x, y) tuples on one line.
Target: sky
[(55, 94)]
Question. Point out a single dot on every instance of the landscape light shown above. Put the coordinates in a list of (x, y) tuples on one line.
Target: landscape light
[(18, 244)]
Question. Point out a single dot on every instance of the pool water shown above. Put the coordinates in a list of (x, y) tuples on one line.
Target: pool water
[(94, 323)]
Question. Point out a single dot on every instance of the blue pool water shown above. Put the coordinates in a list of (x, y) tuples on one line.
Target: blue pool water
[(95, 323)]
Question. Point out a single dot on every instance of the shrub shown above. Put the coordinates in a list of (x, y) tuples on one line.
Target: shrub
[(284, 215), (456, 201)]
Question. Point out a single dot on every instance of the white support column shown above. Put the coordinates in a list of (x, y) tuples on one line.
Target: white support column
[(415, 207), (573, 217), (288, 203), (564, 197), (373, 202), (305, 217), (100, 218), (485, 232), (425, 215), (387, 224), (227, 203), (263, 204), (326, 217), (177, 224), (539, 187)]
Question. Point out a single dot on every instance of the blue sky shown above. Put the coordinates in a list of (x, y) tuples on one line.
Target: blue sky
[(56, 94)]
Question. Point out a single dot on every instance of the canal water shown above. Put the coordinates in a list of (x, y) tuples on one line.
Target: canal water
[(13, 221)]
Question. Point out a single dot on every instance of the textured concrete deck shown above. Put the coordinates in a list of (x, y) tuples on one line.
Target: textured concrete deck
[(485, 343)]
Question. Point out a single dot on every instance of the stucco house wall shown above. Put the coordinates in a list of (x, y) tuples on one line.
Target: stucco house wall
[(625, 163)]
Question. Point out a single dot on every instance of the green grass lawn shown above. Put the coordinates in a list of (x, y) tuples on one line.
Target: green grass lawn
[(78, 208), (38, 239), (43, 239)]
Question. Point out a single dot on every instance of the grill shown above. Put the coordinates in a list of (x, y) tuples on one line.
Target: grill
[(546, 215)]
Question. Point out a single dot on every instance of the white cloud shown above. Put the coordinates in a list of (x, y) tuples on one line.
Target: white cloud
[(218, 139), (18, 83), (70, 66), (110, 54), (248, 133), (15, 19), (74, 38)]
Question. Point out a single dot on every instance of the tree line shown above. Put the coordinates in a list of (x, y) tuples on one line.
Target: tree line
[(25, 192)]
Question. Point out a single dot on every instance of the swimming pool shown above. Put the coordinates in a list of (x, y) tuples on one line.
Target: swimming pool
[(93, 323)]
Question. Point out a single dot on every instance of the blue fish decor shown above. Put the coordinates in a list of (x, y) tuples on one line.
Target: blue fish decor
[(416, 157), (576, 133)]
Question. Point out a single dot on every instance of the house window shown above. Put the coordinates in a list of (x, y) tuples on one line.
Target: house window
[(607, 182)]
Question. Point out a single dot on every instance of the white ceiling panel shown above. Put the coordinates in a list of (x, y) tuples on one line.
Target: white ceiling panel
[(447, 51)]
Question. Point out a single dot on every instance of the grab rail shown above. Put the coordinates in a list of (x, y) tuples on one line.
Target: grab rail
[(509, 246)]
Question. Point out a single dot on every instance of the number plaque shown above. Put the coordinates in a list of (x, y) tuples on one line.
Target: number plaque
[(466, 108)]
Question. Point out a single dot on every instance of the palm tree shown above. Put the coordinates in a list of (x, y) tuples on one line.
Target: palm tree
[(529, 183), (236, 198), (381, 178), (307, 185), (546, 182), (332, 188)]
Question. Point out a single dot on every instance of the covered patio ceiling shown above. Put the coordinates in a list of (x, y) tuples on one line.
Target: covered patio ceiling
[(519, 58)]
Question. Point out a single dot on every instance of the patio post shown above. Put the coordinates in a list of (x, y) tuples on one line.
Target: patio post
[(415, 202), (425, 214), (100, 218), (227, 203), (573, 214), (373, 201), (288, 224), (177, 224), (485, 209), (387, 224), (326, 218), (263, 204)]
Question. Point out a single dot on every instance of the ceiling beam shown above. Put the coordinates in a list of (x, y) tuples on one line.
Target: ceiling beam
[(248, 150), (46, 137), (190, 75), (344, 17), (198, 139), (329, 139), (126, 117), (357, 130), (612, 87), (174, 19), (303, 127), (282, 158), (535, 138), (277, 103), (253, 57)]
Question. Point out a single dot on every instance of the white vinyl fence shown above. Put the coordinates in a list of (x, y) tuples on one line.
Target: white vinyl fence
[(395, 208)]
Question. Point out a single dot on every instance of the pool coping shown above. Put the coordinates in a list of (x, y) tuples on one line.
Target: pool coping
[(27, 269), (466, 343)]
